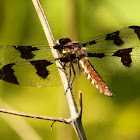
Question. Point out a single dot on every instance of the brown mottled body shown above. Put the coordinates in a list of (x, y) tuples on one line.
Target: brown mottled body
[(75, 52), (88, 70)]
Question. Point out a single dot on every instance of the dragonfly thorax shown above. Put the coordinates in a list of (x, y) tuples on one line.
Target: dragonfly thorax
[(70, 50)]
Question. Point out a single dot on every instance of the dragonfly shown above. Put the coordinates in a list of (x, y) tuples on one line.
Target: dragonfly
[(34, 65)]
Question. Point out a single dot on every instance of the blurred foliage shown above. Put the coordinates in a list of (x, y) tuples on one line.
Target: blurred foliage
[(103, 118)]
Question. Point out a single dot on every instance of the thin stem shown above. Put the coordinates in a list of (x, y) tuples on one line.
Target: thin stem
[(76, 122), (68, 121)]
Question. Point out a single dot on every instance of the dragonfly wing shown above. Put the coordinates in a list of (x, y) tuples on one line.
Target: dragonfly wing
[(40, 73), (116, 53), (12, 54)]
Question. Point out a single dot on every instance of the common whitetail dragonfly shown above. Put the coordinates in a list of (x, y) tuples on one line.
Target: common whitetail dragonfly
[(35, 65)]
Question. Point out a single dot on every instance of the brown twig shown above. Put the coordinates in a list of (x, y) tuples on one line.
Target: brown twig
[(68, 121), (76, 121)]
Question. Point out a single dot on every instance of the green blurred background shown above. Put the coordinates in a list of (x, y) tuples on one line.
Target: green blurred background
[(104, 118)]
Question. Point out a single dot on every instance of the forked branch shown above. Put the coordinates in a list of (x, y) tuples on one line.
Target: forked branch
[(75, 119), (54, 119), (51, 41)]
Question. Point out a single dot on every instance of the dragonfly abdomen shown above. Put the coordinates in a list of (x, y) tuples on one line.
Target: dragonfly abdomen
[(88, 70)]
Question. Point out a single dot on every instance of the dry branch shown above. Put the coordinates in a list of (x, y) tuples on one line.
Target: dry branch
[(68, 121), (75, 119)]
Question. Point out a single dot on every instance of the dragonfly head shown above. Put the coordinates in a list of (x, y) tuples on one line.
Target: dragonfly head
[(60, 43)]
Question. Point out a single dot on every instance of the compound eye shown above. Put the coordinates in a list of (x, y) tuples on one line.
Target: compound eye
[(63, 41)]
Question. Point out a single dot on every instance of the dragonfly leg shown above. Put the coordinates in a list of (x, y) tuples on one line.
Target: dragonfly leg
[(74, 74)]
